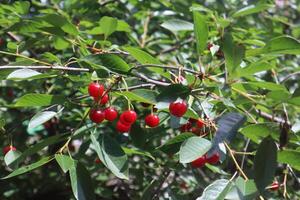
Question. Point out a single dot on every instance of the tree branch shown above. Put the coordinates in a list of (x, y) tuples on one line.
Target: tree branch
[(47, 68), (150, 80)]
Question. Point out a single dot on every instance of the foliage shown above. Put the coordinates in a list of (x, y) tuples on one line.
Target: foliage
[(234, 62)]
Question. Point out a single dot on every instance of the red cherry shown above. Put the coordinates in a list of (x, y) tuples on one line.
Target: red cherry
[(8, 148), (110, 114), (186, 127), (200, 123), (209, 45), (152, 120), (97, 116), (214, 158), (178, 108), (104, 99), (122, 128), (128, 117), (275, 186), (192, 120), (95, 90), (199, 162), (97, 161), (196, 130)]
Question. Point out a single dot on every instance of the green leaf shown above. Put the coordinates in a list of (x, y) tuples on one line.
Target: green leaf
[(233, 53), (278, 45), (81, 183), (110, 62), (265, 163), (193, 148), (172, 92), (21, 7), (246, 189), (60, 43), (256, 132), (28, 168), (291, 157), (60, 22), (111, 155), (131, 151), (294, 101), (145, 58), (200, 31), (39, 146), (251, 9), (40, 118), (228, 125), (172, 146), (140, 95), (123, 26), (254, 68), (282, 45), (141, 56), (108, 25), (31, 100), (22, 74), (216, 191), (10, 158), (279, 95), (175, 25), (65, 162)]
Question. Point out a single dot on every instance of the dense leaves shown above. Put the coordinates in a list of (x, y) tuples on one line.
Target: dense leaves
[(233, 63)]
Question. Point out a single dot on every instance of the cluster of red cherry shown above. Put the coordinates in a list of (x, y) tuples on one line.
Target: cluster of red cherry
[(200, 162), (127, 118), (178, 109)]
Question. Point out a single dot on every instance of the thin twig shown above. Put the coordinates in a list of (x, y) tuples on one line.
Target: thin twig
[(26, 57), (235, 162), (150, 80), (176, 46), (290, 76), (47, 68), (146, 25)]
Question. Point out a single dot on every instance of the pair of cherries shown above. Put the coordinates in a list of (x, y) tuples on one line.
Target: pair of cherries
[(200, 162), (193, 125), (97, 91), (128, 117)]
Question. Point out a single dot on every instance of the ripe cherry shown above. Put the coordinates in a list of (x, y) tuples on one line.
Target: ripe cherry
[(186, 127), (192, 120), (200, 123), (152, 120), (104, 99), (8, 148), (214, 158), (196, 130), (275, 186), (96, 90), (178, 109), (97, 161), (122, 128), (199, 162), (97, 116), (110, 114), (128, 117)]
